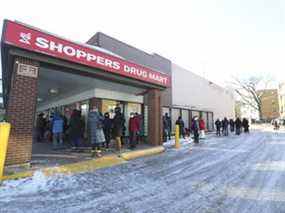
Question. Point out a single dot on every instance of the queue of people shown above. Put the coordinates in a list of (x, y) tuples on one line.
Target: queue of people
[(197, 127), (223, 126), (101, 129)]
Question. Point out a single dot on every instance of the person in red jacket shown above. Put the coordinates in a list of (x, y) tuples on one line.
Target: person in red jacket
[(134, 128), (202, 127)]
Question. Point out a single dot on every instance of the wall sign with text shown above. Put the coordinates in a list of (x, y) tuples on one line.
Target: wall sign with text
[(31, 39), (27, 70)]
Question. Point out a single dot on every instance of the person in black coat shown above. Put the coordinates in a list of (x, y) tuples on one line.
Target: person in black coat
[(75, 128), (118, 125), (225, 125), (232, 125), (166, 127), (238, 125), (180, 123), (245, 125), (107, 127), (218, 127)]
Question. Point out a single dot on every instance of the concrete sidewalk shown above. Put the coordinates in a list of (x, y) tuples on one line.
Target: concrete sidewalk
[(89, 165), (73, 165)]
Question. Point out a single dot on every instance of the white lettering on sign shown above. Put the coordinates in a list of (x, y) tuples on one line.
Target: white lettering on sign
[(73, 52), (135, 71), (30, 39), (158, 78), (27, 70)]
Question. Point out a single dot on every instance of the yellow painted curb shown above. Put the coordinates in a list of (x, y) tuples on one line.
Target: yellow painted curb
[(18, 175), (85, 166), (89, 165), (142, 153), (73, 168)]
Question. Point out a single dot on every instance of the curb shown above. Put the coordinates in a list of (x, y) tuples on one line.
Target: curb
[(89, 165), (142, 153), (73, 168)]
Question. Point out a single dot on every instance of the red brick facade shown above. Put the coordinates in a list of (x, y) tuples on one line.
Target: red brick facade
[(20, 113)]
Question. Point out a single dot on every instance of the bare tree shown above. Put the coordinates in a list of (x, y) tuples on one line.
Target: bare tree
[(250, 90)]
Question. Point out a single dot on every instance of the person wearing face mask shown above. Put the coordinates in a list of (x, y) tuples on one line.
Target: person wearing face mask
[(97, 137), (134, 127), (107, 127)]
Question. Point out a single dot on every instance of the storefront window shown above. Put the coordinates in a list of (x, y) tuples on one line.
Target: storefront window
[(195, 113), (210, 120), (175, 113), (165, 110), (109, 106), (185, 117)]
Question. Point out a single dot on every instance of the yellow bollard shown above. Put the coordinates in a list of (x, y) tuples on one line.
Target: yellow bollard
[(177, 138), (4, 136)]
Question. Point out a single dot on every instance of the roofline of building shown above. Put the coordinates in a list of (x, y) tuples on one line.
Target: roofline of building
[(124, 43)]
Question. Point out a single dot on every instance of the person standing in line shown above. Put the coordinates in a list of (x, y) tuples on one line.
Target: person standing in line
[(168, 125), (238, 126), (133, 130), (218, 125), (222, 126), (65, 128), (180, 123), (40, 127), (232, 125), (141, 130), (195, 129), (225, 127), (276, 124), (107, 128), (75, 128), (95, 125), (164, 126), (118, 124), (245, 125), (57, 131), (202, 127)]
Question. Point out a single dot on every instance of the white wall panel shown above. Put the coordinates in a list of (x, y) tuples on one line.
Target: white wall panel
[(192, 91)]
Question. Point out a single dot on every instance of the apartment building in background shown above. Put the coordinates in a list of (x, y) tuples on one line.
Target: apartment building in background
[(273, 102)]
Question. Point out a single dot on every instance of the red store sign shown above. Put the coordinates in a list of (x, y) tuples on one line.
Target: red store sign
[(34, 40)]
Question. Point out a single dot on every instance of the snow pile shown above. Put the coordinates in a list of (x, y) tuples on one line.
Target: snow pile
[(25, 186), (39, 183)]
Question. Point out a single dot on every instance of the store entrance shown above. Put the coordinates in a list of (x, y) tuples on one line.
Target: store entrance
[(63, 94)]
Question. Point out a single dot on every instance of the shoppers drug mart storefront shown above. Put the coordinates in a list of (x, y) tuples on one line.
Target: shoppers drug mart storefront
[(42, 71)]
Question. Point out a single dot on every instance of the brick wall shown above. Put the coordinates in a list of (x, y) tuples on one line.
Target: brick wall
[(20, 113)]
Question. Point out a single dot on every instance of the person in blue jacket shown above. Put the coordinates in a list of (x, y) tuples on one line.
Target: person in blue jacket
[(57, 131)]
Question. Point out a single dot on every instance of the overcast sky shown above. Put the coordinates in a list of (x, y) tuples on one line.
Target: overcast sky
[(214, 38)]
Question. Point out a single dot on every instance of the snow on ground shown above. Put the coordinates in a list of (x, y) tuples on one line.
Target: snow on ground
[(217, 175)]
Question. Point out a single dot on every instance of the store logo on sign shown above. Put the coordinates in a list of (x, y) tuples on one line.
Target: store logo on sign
[(27, 70), (25, 38)]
